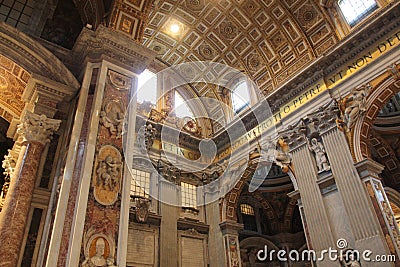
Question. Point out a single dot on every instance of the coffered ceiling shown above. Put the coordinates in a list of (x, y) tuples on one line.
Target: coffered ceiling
[(270, 40)]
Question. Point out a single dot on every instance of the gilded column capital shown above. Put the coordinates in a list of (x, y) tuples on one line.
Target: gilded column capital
[(294, 135), (325, 118), (39, 128)]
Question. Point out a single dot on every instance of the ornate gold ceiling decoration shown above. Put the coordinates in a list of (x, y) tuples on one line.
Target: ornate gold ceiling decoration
[(130, 16), (269, 39), (13, 79)]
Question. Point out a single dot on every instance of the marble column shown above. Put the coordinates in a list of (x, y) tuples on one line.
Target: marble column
[(369, 171), (318, 226), (230, 231), (357, 211), (360, 211), (35, 131)]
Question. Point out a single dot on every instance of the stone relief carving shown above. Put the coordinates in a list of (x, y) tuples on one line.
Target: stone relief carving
[(112, 117), (36, 127), (353, 106), (307, 131), (121, 82), (99, 250), (319, 153), (142, 209), (108, 175)]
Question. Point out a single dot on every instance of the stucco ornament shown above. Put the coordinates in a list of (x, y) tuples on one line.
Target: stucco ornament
[(107, 179), (37, 128), (112, 117)]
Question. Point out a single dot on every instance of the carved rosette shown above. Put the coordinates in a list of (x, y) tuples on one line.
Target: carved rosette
[(37, 128)]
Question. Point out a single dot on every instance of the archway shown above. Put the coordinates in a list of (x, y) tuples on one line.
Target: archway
[(270, 217), (386, 86)]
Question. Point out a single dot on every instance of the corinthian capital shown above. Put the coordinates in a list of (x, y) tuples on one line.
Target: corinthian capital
[(37, 128)]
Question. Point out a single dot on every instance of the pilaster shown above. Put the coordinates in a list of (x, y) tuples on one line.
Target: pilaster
[(35, 131), (365, 233), (230, 233)]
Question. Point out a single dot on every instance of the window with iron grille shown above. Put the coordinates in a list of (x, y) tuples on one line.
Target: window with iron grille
[(140, 184), (188, 195), (355, 11), (17, 13)]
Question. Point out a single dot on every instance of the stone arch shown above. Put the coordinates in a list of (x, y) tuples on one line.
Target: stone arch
[(13, 80), (374, 103), (232, 198), (386, 156), (288, 217), (33, 57), (257, 200), (393, 196), (258, 242)]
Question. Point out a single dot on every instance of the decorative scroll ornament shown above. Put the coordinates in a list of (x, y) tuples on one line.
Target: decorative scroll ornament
[(108, 175), (37, 128), (320, 155), (353, 106), (142, 209), (112, 117)]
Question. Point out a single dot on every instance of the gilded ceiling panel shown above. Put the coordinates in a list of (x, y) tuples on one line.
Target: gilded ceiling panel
[(13, 80), (270, 40)]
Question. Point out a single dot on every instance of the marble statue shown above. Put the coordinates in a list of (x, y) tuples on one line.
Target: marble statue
[(112, 117), (354, 106), (282, 156), (98, 259), (320, 156), (108, 173)]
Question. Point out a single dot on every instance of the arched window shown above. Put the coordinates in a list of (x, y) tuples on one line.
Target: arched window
[(248, 217), (355, 11), (240, 97), (181, 108), (147, 87)]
